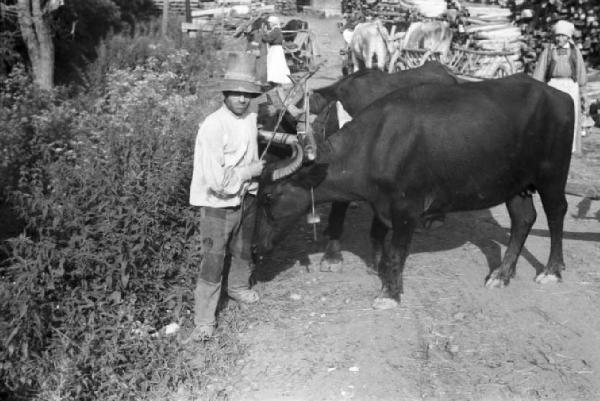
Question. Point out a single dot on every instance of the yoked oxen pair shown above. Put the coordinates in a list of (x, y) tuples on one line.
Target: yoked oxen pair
[(355, 92), (371, 40), (437, 149)]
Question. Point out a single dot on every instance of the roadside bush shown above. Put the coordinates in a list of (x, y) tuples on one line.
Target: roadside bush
[(124, 51), (102, 186), (27, 137)]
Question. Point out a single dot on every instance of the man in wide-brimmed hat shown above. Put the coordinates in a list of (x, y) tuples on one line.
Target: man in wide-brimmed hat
[(222, 192), (561, 66)]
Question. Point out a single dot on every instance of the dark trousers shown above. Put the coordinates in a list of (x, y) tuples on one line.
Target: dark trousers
[(221, 233)]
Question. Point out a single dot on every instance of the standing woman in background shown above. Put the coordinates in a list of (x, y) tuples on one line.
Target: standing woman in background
[(561, 66), (278, 73)]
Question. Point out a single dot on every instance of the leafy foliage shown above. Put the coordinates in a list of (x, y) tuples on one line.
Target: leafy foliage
[(126, 52), (78, 26), (101, 181)]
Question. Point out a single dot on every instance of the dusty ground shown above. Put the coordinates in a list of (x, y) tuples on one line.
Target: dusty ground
[(314, 335)]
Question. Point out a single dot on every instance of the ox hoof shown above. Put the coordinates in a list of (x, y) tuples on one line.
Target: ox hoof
[(384, 303), (331, 267), (547, 279), (494, 282)]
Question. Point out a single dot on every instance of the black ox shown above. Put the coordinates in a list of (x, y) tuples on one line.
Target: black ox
[(355, 92), (436, 149)]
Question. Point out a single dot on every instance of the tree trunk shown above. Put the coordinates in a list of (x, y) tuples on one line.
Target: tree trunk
[(37, 35), (188, 11), (165, 19)]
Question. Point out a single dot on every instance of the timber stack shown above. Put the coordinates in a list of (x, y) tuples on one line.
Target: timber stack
[(491, 28), (536, 18), (285, 7), (404, 12)]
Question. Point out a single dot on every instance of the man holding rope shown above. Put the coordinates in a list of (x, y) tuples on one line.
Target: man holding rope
[(223, 195)]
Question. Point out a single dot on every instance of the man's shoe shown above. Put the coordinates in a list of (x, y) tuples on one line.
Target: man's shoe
[(246, 296), (198, 334)]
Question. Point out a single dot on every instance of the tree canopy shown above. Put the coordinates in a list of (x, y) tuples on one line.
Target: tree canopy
[(76, 28)]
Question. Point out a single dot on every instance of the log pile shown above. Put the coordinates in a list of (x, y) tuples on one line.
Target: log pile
[(491, 28), (404, 11), (536, 18), (285, 7)]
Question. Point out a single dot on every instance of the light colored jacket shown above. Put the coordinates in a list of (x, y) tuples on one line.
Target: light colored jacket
[(562, 66), (225, 145)]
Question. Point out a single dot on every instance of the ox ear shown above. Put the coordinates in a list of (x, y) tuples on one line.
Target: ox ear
[(312, 176)]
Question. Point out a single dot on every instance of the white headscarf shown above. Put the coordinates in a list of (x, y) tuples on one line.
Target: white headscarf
[(563, 27)]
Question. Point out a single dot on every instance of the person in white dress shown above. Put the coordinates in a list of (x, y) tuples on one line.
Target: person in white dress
[(561, 66)]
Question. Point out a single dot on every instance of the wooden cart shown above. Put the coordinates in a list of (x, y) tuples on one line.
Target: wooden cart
[(301, 52), (467, 63)]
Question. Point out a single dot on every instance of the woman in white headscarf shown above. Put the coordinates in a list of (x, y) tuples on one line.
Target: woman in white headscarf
[(561, 66), (278, 72)]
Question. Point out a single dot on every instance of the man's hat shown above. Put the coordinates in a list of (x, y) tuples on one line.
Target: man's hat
[(240, 74), (563, 27)]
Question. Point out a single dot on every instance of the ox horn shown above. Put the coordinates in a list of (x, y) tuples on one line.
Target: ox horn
[(297, 152)]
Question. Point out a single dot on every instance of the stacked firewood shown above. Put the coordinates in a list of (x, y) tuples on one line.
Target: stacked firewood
[(367, 7), (403, 11), (491, 28), (285, 7), (536, 18)]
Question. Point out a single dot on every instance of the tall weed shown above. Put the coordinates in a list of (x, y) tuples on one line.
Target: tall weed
[(102, 185)]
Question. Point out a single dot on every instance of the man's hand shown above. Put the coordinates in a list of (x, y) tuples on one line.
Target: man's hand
[(253, 169), (256, 168)]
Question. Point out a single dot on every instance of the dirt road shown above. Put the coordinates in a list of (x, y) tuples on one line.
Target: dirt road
[(314, 336)]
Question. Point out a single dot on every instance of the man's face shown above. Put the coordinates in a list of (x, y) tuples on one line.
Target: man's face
[(560, 40), (237, 102)]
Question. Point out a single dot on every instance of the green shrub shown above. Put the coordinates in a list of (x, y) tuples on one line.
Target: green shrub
[(34, 123), (103, 187), (122, 51)]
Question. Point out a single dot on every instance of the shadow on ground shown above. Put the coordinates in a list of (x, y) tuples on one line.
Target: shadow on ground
[(479, 228)]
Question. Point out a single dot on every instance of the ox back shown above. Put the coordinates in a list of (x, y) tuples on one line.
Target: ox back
[(358, 90)]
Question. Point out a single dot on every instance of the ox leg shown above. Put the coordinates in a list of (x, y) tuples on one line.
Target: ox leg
[(522, 216), (355, 62), (381, 58), (332, 260), (392, 265), (555, 207), (369, 60), (377, 234)]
